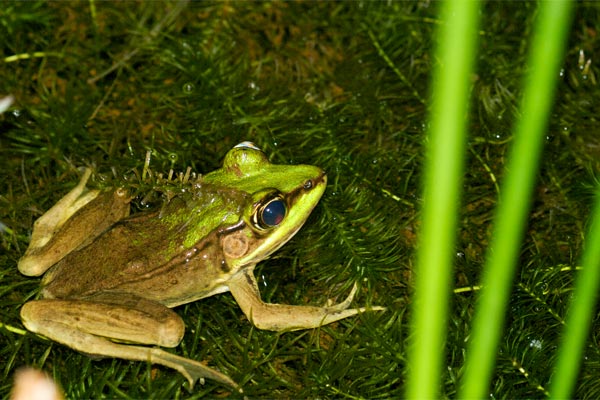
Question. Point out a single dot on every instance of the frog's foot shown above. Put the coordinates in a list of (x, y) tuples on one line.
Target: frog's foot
[(280, 317), (346, 303), (191, 369), (86, 325)]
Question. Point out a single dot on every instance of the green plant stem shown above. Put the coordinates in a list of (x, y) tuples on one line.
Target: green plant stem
[(545, 58), (443, 180), (579, 317)]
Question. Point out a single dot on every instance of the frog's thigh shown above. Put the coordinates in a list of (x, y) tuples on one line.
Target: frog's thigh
[(132, 319), (279, 317), (42, 252), (74, 221), (83, 326), (68, 205)]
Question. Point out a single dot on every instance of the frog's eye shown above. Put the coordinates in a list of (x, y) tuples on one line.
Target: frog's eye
[(271, 213)]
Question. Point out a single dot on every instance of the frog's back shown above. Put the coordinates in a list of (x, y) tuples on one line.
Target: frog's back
[(147, 256)]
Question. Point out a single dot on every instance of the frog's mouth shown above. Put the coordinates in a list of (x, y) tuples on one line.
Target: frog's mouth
[(310, 192)]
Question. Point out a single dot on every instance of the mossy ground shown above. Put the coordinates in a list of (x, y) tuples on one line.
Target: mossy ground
[(340, 85)]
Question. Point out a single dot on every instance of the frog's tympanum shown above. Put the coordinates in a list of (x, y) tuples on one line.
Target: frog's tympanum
[(112, 279)]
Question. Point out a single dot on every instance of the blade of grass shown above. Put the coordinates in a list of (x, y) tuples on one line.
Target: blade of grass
[(443, 180), (546, 54), (580, 314)]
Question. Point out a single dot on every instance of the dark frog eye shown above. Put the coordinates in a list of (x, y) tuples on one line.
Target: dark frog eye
[(272, 213)]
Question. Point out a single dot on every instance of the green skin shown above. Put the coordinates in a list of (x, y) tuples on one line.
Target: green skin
[(111, 276)]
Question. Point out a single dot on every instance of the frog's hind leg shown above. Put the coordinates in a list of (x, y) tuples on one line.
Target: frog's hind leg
[(86, 326), (74, 221)]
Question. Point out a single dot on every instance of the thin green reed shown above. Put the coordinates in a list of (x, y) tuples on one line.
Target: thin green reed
[(545, 57), (580, 314), (442, 183)]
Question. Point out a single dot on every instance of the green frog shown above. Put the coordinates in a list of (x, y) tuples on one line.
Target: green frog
[(111, 280)]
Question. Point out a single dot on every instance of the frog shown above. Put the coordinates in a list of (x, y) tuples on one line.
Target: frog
[(111, 278)]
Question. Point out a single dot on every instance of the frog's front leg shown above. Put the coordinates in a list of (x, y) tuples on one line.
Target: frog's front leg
[(280, 317), (57, 233), (89, 325)]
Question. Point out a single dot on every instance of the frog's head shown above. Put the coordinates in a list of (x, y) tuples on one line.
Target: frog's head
[(280, 199)]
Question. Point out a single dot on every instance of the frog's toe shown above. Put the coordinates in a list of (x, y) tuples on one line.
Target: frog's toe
[(344, 304), (192, 370)]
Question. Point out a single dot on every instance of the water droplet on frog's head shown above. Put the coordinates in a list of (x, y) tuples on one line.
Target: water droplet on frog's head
[(188, 88)]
